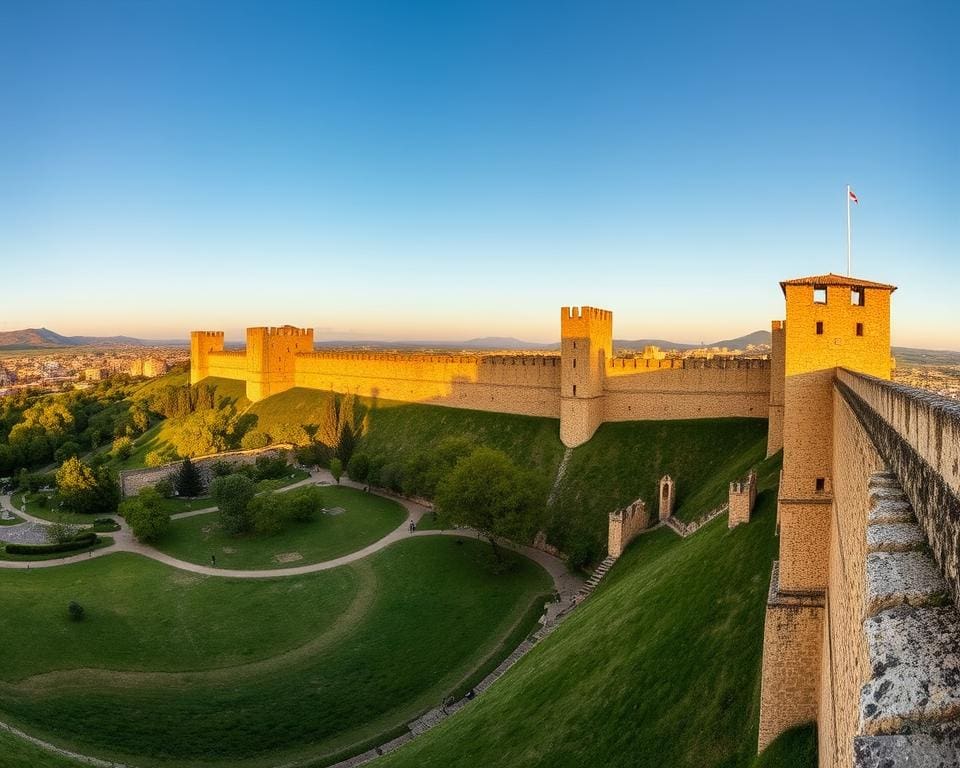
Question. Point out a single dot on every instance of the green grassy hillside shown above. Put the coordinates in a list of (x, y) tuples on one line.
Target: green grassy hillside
[(17, 753), (624, 461), (661, 667)]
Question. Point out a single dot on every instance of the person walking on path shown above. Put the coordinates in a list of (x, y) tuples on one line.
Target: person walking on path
[(213, 561), (413, 526)]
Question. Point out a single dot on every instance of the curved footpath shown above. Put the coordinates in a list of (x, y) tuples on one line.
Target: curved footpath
[(566, 583)]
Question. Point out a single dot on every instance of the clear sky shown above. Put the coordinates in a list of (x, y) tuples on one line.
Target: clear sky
[(448, 170)]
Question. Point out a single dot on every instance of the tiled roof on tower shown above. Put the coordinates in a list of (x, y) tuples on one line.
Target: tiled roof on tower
[(832, 279)]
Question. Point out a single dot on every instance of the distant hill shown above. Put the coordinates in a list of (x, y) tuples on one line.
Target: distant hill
[(44, 338), (913, 356), (757, 337)]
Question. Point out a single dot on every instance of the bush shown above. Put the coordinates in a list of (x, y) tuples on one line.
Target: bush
[(336, 469), (271, 467), (160, 456), (81, 541), (233, 495), (255, 439), (122, 448), (164, 487), (146, 516), (58, 533), (267, 514), (358, 468), (75, 610)]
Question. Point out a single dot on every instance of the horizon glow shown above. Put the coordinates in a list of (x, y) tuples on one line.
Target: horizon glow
[(382, 171)]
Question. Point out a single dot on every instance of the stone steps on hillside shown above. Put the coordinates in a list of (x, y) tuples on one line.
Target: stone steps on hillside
[(595, 578)]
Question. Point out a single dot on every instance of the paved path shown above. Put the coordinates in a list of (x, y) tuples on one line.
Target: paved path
[(566, 584)]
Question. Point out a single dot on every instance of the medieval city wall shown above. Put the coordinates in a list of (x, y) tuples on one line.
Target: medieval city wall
[(845, 666), (521, 384), (690, 390), (227, 365)]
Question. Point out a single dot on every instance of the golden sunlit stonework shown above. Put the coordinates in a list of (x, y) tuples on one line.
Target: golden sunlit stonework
[(583, 386)]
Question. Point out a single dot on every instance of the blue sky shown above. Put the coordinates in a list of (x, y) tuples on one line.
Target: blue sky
[(451, 169)]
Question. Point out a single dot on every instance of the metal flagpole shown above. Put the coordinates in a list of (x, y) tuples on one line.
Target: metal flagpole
[(849, 274)]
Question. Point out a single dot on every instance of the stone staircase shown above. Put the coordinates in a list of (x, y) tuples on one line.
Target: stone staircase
[(595, 579)]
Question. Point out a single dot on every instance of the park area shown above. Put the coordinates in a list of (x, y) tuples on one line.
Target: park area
[(255, 671)]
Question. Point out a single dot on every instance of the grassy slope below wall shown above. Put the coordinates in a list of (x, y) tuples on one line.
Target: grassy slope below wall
[(661, 667), (18, 753), (622, 462), (625, 461)]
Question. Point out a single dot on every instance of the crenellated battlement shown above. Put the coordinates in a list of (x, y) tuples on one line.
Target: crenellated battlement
[(583, 385)]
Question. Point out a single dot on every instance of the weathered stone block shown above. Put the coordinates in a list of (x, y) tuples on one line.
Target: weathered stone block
[(915, 669)]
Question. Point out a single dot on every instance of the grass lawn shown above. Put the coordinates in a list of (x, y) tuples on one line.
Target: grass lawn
[(103, 541), (368, 646), (661, 667), (17, 753), (48, 510), (176, 506), (367, 518)]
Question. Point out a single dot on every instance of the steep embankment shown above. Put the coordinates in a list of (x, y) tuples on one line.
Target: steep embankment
[(661, 667)]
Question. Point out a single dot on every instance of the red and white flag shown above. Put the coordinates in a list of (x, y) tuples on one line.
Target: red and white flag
[(853, 196)]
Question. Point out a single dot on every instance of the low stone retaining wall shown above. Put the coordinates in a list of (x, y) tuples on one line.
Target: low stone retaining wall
[(132, 480)]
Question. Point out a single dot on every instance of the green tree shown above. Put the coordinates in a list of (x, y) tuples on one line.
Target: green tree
[(188, 482), (146, 516), (267, 514), (336, 469), (86, 490), (233, 494), (255, 439), (487, 492), (122, 448), (359, 467)]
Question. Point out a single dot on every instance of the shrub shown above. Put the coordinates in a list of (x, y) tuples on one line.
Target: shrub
[(271, 467), (267, 514), (81, 541), (188, 480), (255, 439), (122, 448), (75, 610), (336, 469), (164, 487), (358, 468), (233, 495), (146, 516), (58, 533), (160, 456)]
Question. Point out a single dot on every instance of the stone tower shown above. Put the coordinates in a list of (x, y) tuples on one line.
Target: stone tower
[(832, 322), (586, 343), (270, 358), (777, 362), (202, 343)]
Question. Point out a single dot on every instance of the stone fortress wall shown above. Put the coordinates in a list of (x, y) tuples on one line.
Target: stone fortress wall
[(583, 386)]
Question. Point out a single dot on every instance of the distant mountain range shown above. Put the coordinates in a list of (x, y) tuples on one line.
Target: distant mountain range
[(512, 344), (44, 338)]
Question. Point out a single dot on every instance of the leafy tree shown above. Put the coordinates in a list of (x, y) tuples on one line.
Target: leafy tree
[(122, 447), (140, 416), (146, 516), (205, 432), (303, 503), (188, 482), (165, 487), (255, 439), (65, 451), (359, 467), (267, 514), (233, 494), (271, 467), (336, 469), (160, 456), (487, 492), (86, 490), (75, 611)]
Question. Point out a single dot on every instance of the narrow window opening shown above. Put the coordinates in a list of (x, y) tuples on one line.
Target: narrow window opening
[(821, 484), (819, 327), (819, 294), (574, 390), (574, 345), (858, 297), (575, 362), (859, 329)]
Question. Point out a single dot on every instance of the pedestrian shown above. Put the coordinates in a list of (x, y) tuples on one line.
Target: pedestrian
[(213, 560), (413, 526)]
